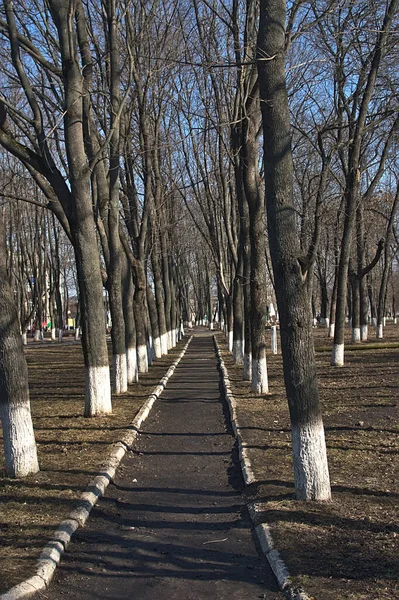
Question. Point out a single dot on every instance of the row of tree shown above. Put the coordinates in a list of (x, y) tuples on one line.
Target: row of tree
[(141, 124)]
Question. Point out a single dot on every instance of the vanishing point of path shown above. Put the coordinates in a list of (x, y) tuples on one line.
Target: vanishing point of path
[(173, 525)]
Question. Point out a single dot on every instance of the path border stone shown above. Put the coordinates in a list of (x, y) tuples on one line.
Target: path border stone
[(262, 530), (53, 551)]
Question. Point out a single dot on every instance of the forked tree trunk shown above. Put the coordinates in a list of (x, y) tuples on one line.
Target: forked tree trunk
[(98, 389), (357, 125), (308, 443), (19, 439)]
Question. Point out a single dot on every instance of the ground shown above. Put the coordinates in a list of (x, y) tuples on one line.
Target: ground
[(346, 549)]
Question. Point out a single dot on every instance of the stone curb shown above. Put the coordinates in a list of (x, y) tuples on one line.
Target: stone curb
[(262, 530), (53, 551)]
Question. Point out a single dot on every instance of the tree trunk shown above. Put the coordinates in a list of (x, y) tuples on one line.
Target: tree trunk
[(386, 269), (19, 439), (257, 229), (308, 443), (153, 314), (159, 294), (140, 317), (238, 312), (115, 250), (130, 325), (98, 389)]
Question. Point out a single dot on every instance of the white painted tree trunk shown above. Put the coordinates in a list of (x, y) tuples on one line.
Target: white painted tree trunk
[(373, 322), (60, 335), (337, 356), (238, 351), (98, 391), (25, 339), (230, 340), (132, 370), (181, 331), (325, 322), (380, 332), (164, 343), (356, 335), (364, 333), (260, 382), (53, 334), (19, 440), (314, 322), (395, 320), (331, 330), (120, 373), (211, 325), (157, 347), (174, 337), (274, 339), (142, 359), (77, 334), (247, 366), (170, 340), (36, 336), (312, 481)]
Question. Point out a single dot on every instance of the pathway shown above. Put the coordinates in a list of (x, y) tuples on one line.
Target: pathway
[(173, 525)]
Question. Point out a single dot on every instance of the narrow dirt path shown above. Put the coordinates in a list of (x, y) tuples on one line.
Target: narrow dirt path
[(173, 525)]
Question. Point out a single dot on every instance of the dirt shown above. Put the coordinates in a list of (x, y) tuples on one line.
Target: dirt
[(349, 548), (346, 549)]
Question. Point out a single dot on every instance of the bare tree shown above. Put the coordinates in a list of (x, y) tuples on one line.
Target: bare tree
[(289, 266), (19, 439)]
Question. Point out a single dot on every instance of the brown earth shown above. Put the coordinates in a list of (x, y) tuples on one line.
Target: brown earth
[(349, 548), (346, 549)]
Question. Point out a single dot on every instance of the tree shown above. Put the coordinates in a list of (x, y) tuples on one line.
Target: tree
[(71, 203), (289, 267), (19, 439)]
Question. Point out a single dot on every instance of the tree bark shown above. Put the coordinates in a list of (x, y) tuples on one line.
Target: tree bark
[(308, 443), (130, 325), (18, 435), (98, 392)]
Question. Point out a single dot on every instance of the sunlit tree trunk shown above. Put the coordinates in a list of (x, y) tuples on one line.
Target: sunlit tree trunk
[(19, 439), (290, 271)]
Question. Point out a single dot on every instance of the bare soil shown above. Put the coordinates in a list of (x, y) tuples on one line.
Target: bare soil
[(346, 549), (349, 548)]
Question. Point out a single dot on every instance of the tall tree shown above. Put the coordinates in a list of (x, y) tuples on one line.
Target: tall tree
[(19, 439), (289, 267)]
